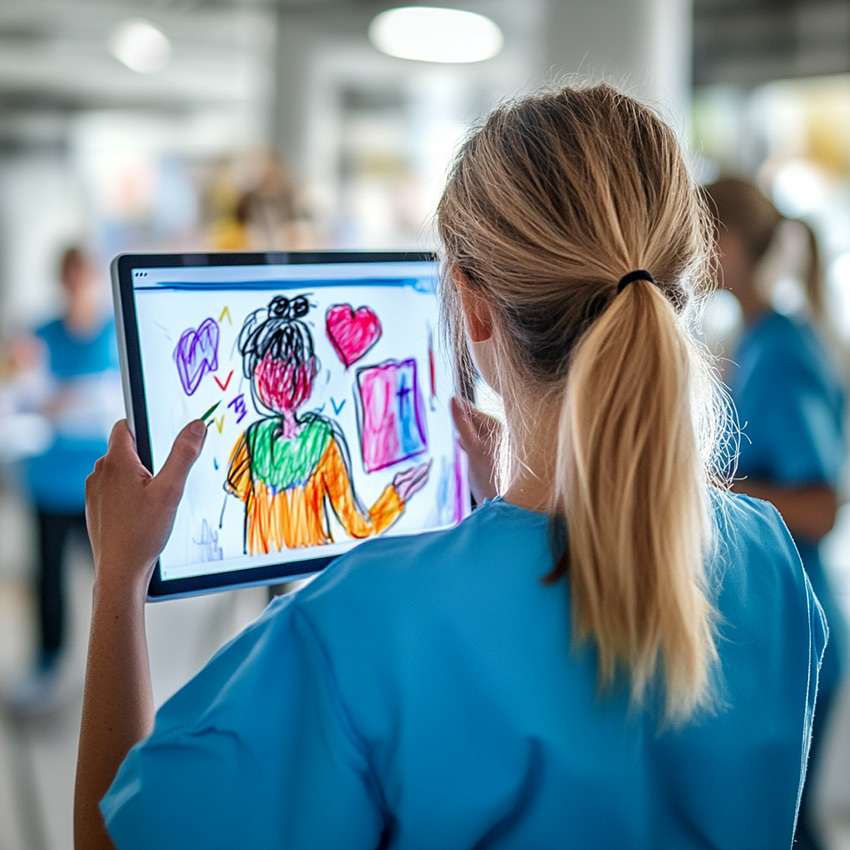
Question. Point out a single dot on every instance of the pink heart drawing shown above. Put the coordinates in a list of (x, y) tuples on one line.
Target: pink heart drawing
[(352, 332), (197, 353)]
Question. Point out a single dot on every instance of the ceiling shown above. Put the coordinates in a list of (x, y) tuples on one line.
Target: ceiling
[(750, 42), (54, 60), (53, 53)]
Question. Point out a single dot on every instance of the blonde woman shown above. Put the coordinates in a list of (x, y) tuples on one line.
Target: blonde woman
[(611, 654)]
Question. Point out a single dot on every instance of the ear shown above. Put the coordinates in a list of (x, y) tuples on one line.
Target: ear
[(478, 314)]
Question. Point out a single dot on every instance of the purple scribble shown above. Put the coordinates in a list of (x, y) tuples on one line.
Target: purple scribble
[(196, 354), (239, 407)]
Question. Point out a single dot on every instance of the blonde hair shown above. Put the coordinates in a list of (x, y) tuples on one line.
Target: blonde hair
[(740, 207), (549, 203)]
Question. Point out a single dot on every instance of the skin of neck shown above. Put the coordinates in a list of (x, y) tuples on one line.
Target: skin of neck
[(533, 434), (83, 310), (289, 424)]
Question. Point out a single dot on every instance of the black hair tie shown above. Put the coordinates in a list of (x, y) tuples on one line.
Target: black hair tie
[(626, 279)]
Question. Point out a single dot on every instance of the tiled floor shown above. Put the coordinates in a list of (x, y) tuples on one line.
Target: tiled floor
[(37, 757)]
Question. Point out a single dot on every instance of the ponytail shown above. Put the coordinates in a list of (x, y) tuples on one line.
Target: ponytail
[(631, 482), (548, 196)]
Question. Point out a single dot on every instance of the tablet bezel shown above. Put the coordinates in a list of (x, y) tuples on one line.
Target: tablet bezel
[(132, 377)]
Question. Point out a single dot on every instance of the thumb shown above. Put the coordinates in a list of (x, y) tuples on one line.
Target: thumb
[(462, 416), (473, 426), (185, 451)]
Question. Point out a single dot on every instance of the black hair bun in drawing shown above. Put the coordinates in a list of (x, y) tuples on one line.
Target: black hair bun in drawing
[(288, 309)]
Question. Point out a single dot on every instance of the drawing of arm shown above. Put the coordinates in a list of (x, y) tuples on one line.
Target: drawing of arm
[(337, 482), (238, 479)]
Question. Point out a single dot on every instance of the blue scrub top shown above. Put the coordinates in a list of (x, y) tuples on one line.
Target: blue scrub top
[(57, 478), (791, 407), (422, 693)]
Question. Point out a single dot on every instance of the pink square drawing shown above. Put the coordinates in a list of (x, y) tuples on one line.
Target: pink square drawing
[(391, 415)]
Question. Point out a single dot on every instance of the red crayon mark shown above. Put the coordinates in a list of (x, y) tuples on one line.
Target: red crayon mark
[(431, 370), (284, 385), (226, 382)]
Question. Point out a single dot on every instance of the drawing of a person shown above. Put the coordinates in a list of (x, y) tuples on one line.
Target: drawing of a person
[(286, 467)]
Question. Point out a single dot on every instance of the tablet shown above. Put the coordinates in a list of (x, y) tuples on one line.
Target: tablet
[(325, 399)]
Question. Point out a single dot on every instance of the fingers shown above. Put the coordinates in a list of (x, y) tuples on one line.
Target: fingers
[(415, 476), (420, 473), (463, 422), (473, 426), (121, 438), (417, 483), (411, 480), (185, 451)]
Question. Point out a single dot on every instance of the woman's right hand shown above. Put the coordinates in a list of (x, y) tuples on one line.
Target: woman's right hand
[(130, 512), (479, 436)]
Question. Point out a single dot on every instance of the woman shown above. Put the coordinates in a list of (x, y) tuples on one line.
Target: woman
[(77, 357), (791, 404), (611, 654), (286, 465)]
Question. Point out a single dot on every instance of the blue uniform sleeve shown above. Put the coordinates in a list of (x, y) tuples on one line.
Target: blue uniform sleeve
[(255, 752), (818, 637), (792, 433)]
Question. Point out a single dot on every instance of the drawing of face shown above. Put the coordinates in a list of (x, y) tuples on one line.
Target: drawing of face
[(284, 385), (279, 358)]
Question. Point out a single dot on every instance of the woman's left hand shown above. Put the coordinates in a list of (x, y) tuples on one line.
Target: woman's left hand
[(479, 435), (130, 512)]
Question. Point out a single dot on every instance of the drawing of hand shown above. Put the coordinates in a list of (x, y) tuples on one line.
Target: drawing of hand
[(130, 512), (479, 436), (411, 480)]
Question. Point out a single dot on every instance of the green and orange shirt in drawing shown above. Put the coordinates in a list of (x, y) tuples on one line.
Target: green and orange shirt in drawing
[(286, 483)]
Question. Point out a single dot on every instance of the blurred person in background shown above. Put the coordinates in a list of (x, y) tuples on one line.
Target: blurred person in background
[(68, 373), (790, 402), (266, 216)]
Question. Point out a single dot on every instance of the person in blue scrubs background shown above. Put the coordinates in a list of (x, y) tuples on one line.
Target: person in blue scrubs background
[(76, 359), (790, 403), (613, 653)]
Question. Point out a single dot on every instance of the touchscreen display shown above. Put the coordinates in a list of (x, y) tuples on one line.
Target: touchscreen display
[(326, 403)]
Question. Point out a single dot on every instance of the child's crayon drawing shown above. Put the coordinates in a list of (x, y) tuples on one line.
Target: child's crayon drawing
[(326, 419), (290, 467), (208, 543), (239, 407), (196, 354), (391, 416), (352, 332)]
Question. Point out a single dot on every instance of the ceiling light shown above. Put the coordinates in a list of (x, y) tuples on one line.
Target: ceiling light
[(435, 35), (140, 46)]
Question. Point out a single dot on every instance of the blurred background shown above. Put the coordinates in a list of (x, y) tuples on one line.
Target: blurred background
[(185, 125)]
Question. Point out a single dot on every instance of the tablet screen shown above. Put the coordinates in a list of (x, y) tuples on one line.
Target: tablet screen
[(326, 402)]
